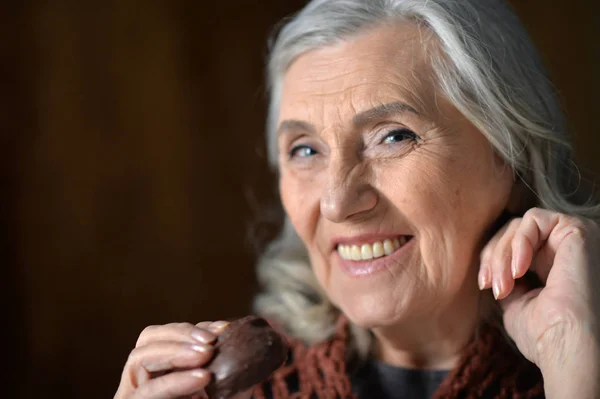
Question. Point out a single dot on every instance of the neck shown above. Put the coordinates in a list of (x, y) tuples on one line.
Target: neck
[(435, 340)]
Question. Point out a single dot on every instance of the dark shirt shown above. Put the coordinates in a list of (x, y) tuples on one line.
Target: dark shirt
[(376, 380)]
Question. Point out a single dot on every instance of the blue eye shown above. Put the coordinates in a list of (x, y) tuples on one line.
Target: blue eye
[(302, 151), (398, 135)]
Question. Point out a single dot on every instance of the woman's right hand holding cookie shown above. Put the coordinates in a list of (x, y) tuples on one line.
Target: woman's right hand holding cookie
[(168, 361)]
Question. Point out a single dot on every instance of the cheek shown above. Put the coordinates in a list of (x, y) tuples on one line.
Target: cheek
[(299, 202), (461, 200), (448, 208), (423, 189), (423, 193), (289, 198)]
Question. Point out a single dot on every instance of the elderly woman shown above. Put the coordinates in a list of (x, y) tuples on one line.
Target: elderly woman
[(438, 241)]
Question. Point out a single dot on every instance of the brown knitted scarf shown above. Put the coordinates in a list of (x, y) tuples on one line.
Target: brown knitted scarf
[(488, 361)]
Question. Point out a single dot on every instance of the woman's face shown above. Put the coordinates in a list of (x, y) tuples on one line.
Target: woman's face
[(390, 188)]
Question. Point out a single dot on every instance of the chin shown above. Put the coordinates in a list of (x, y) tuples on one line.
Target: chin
[(373, 310)]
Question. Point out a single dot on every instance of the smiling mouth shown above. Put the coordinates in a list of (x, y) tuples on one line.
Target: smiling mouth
[(373, 250)]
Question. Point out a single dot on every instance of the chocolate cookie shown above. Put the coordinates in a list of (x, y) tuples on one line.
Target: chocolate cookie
[(246, 353)]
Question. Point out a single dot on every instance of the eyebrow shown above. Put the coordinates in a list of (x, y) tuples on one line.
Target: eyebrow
[(294, 124), (381, 112), (359, 120)]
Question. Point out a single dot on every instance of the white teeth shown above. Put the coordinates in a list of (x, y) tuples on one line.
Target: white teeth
[(366, 251), (355, 253), (388, 247), (378, 249), (343, 251), (370, 251)]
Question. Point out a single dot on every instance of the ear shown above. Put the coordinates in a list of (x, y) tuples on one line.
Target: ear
[(521, 197)]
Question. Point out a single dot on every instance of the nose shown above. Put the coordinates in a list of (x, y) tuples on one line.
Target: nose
[(347, 192)]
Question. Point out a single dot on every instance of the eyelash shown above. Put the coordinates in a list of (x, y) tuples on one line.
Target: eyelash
[(294, 151), (405, 133)]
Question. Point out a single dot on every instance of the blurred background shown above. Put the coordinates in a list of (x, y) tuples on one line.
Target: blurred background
[(135, 189)]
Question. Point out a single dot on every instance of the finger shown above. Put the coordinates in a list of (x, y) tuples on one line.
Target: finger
[(502, 280), (518, 311), (485, 268), (547, 230), (524, 248), (185, 332), (576, 264), (528, 240), (162, 356), (174, 385), (538, 239), (217, 327)]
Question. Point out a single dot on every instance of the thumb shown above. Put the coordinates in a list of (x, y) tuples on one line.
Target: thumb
[(518, 315)]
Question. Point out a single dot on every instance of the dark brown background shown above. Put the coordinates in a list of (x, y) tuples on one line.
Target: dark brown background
[(132, 166)]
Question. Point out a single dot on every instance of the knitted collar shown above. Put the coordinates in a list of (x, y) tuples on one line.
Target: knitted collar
[(489, 367)]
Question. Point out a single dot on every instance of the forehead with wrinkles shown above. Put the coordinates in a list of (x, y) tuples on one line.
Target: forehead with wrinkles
[(382, 65)]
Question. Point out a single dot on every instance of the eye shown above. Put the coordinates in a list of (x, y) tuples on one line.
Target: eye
[(302, 150), (398, 135)]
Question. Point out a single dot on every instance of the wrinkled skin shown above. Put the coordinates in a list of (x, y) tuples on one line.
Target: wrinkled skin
[(422, 171), (426, 172), (169, 362), (555, 326)]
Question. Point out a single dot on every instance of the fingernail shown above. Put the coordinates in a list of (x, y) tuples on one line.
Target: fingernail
[(496, 288), (202, 348), (516, 252), (513, 267), (483, 278), (199, 373), (203, 336), (218, 326)]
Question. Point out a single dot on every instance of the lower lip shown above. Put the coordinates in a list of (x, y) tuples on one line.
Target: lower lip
[(366, 268)]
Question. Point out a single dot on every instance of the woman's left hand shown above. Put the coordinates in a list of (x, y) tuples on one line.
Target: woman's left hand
[(556, 326)]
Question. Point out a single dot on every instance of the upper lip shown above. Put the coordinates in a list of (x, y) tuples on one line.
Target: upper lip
[(363, 239)]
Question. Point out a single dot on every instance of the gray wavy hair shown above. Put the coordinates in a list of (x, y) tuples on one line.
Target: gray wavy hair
[(491, 72)]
